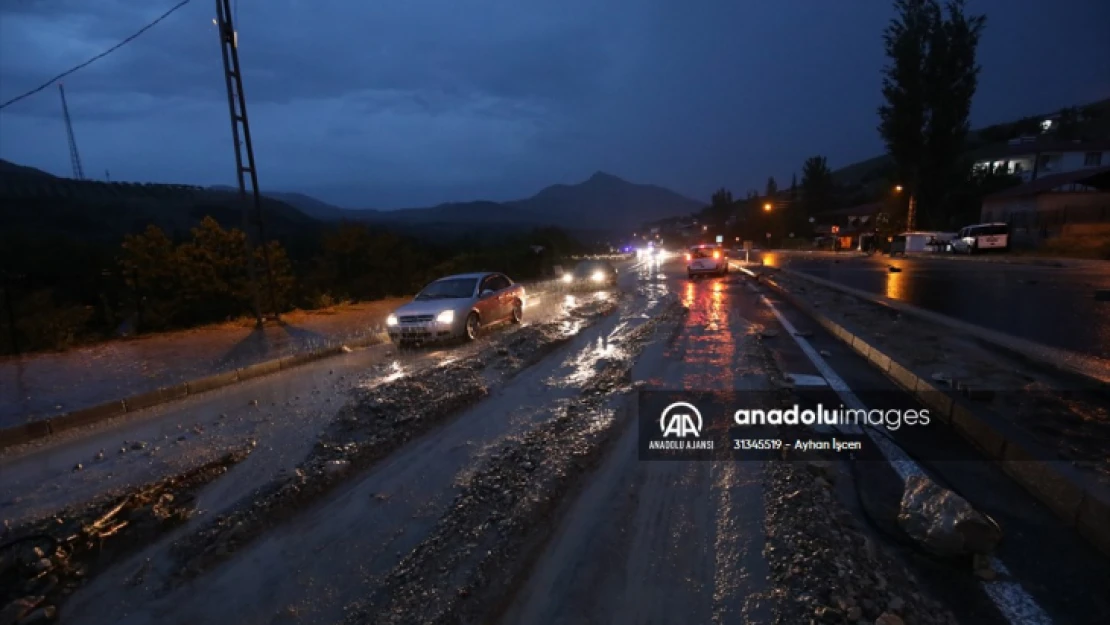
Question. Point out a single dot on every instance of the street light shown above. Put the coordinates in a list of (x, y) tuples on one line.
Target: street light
[(767, 206), (898, 188)]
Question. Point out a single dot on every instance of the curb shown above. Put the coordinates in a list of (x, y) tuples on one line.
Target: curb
[(44, 428), (1055, 484)]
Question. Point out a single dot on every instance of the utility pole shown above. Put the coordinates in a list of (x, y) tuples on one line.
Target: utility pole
[(237, 105)]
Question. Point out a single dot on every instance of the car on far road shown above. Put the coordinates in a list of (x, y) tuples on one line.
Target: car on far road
[(455, 307), (706, 259), (982, 237), (591, 274)]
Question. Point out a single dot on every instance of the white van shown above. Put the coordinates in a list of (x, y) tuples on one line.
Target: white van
[(982, 237)]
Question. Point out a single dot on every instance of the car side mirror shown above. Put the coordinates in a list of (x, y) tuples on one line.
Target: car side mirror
[(486, 293)]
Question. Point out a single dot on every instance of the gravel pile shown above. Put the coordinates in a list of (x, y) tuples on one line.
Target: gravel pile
[(44, 561), (824, 568), (484, 543), (375, 422)]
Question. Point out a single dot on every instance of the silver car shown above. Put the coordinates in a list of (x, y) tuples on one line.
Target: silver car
[(457, 307)]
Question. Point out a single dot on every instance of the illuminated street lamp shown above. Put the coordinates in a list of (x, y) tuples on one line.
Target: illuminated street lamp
[(898, 188), (767, 206), (704, 228)]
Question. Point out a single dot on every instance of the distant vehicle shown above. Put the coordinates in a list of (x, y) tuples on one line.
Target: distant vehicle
[(458, 306), (708, 259), (917, 242), (982, 237), (591, 274)]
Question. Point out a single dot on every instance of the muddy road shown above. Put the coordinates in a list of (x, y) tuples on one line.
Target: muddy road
[(501, 482)]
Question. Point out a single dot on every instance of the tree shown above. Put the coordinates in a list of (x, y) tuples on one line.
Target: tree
[(214, 281), (817, 185), (148, 263), (928, 85), (772, 187), (722, 198)]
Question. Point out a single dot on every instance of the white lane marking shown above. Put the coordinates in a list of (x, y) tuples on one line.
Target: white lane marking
[(1017, 605), (805, 379)]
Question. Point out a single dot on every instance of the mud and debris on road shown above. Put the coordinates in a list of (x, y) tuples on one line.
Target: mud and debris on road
[(481, 544), (824, 567), (375, 422), (43, 561)]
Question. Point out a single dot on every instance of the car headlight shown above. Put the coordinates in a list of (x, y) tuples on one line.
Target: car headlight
[(567, 277), (391, 320), (447, 316), (598, 276)]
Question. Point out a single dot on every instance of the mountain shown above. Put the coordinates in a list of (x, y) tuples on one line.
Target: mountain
[(603, 202), (317, 209), (11, 169), (34, 203), (606, 202)]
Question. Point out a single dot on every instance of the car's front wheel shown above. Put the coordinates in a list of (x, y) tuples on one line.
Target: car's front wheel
[(473, 325), (518, 311)]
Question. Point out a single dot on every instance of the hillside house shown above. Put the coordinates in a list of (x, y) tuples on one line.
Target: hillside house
[(1031, 158)]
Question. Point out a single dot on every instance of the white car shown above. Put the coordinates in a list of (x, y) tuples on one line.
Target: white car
[(981, 237), (706, 259), (457, 307)]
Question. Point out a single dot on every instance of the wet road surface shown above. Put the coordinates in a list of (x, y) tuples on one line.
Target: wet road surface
[(282, 413), (1046, 304), (663, 542), (666, 541)]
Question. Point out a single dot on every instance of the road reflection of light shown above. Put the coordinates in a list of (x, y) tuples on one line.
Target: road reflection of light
[(771, 259), (585, 363), (393, 371), (570, 301), (895, 285), (688, 297), (602, 296)]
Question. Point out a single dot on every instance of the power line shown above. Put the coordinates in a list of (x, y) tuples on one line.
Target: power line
[(97, 57)]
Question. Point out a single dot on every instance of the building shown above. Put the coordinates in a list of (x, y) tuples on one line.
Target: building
[(842, 226), (1053, 205), (1031, 158)]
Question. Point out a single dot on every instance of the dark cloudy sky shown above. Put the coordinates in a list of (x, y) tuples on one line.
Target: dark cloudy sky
[(390, 103)]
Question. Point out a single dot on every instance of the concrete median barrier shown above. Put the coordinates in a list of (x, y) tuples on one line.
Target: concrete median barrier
[(19, 434), (1081, 503), (260, 369), (212, 382), (87, 416)]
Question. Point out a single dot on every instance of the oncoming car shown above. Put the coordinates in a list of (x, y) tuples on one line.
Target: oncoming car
[(591, 274), (457, 307), (706, 259)]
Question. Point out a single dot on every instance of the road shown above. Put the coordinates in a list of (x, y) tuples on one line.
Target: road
[(1048, 304), (624, 541)]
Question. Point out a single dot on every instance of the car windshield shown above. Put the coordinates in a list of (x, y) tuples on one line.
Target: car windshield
[(587, 268), (447, 289)]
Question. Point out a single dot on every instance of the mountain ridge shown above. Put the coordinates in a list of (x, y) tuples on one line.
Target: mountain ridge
[(602, 202)]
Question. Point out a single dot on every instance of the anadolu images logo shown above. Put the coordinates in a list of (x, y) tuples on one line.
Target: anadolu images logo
[(680, 419)]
